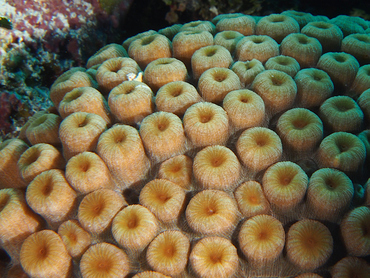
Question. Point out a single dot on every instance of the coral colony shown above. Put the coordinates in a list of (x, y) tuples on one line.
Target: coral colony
[(237, 147)]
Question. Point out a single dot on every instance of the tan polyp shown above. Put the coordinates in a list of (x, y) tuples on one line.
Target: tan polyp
[(176, 97), (39, 158), (149, 48), (209, 57), (80, 132), (50, 195), (163, 71), (87, 172), (114, 71), (44, 130), (164, 199), (258, 47), (244, 108), (306, 50), (206, 124), (185, 43), (131, 101), (277, 26), (244, 24), (73, 78), (215, 83), (277, 89), (98, 208), (44, 254), (17, 222), (10, 152), (108, 51), (163, 135), (123, 152), (84, 99), (247, 70)]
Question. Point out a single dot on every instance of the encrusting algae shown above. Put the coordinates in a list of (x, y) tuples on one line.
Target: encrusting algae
[(199, 152)]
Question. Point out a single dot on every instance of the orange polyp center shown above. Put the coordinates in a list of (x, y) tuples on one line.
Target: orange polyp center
[(162, 125), (219, 77), (261, 142), (285, 180), (85, 166), (72, 237), (205, 117), (210, 211), (97, 209), (263, 235), (216, 258), (253, 199), (299, 124), (104, 266), (163, 198), (43, 252), (115, 68), (83, 123), (165, 62), (244, 99), (119, 138), (217, 161), (169, 251), (132, 222), (176, 92), (310, 242), (129, 90), (176, 168), (47, 188)]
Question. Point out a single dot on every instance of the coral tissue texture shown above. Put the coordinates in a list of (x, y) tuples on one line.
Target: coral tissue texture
[(179, 154)]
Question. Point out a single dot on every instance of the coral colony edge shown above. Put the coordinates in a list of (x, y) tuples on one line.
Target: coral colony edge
[(237, 147)]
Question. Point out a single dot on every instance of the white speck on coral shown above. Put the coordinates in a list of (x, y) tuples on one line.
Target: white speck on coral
[(136, 77), (130, 76)]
